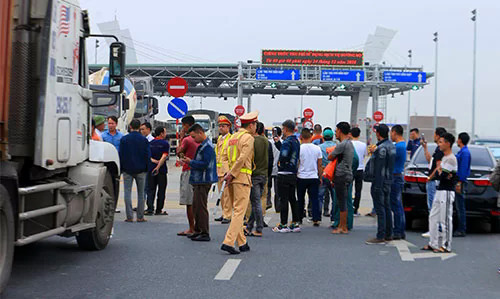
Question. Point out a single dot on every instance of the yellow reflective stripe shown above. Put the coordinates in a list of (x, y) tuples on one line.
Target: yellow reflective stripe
[(219, 164), (246, 170), (234, 148), (224, 144)]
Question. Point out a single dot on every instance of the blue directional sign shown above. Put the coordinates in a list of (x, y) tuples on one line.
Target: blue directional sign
[(342, 75), (277, 74), (409, 77), (177, 108)]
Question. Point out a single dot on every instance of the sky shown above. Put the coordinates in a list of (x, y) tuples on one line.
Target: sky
[(232, 31)]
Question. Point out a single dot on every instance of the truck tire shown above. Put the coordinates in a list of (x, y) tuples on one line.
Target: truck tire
[(98, 237), (6, 237)]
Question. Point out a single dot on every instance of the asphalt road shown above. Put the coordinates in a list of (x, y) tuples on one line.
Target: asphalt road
[(148, 260)]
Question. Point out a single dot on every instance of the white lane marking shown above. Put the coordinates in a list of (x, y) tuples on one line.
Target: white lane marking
[(407, 256), (177, 108), (227, 271), (177, 87)]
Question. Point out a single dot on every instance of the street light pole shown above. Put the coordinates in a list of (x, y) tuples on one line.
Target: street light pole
[(409, 101), (474, 15), (96, 46), (435, 80)]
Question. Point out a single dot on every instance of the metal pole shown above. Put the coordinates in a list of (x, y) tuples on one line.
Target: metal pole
[(249, 103), (96, 46), (409, 102), (240, 87), (336, 110), (474, 15), (436, 81), (301, 105)]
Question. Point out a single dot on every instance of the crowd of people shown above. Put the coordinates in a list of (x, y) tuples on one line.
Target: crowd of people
[(329, 165)]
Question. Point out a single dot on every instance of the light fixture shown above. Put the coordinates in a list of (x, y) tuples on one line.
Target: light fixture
[(393, 95), (225, 98), (272, 96), (330, 98), (342, 86), (402, 93), (414, 87)]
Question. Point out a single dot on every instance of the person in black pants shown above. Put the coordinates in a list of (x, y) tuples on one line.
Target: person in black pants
[(157, 176), (360, 148), (287, 178)]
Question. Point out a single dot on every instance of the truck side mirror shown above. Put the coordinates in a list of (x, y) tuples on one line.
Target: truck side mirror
[(155, 106), (125, 103), (116, 67)]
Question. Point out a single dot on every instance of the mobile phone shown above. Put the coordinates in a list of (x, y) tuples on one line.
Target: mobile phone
[(423, 137)]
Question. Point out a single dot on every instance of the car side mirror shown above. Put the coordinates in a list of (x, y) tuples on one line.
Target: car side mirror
[(116, 67)]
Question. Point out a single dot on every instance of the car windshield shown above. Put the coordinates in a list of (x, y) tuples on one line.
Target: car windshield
[(495, 151), (479, 156)]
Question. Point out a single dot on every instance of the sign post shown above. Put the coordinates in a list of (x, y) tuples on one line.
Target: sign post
[(177, 87), (239, 110), (308, 113), (378, 116)]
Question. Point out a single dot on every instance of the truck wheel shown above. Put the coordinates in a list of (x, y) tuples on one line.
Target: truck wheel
[(98, 237), (6, 237)]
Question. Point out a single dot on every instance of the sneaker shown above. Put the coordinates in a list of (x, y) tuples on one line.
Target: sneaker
[(294, 228), (426, 235), (458, 234), (375, 241), (316, 223), (371, 214), (281, 229), (326, 214), (356, 214)]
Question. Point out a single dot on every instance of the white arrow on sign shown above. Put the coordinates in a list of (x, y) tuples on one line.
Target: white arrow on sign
[(293, 75), (406, 255), (419, 78), (358, 75)]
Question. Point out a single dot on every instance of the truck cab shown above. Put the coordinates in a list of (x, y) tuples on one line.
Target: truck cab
[(54, 180)]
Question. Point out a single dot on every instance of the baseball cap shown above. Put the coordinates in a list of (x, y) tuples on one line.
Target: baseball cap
[(328, 133)]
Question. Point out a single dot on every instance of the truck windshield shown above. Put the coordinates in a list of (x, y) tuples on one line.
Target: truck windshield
[(107, 111), (142, 107), (205, 124)]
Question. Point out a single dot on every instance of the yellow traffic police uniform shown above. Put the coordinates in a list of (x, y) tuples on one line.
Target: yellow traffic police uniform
[(223, 168), (240, 153)]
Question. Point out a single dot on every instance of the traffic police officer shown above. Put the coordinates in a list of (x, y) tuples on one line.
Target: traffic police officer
[(240, 153), (223, 168)]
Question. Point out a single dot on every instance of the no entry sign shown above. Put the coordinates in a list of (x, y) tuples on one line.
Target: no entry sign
[(308, 113), (378, 116), (239, 110), (177, 87)]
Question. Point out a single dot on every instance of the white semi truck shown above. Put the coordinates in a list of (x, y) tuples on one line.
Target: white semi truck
[(54, 180)]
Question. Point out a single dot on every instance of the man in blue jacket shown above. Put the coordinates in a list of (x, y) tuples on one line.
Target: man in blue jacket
[(203, 175), (135, 155), (288, 164), (463, 160), (382, 172)]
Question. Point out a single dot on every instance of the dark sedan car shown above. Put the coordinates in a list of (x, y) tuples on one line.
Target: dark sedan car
[(481, 199)]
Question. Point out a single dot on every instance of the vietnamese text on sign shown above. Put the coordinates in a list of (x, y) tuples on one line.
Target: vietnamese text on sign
[(300, 57)]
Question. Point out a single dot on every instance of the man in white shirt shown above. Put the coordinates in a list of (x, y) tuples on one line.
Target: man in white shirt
[(360, 148), (310, 170), (146, 131)]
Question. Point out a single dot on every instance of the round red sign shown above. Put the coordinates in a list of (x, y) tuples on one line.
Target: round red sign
[(308, 113), (239, 110), (378, 116), (308, 124), (177, 87)]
